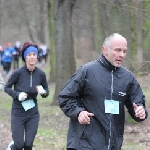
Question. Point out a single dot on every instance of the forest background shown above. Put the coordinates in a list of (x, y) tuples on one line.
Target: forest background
[(74, 30)]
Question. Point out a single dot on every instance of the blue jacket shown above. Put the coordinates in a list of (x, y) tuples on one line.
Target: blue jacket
[(87, 90), (7, 55)]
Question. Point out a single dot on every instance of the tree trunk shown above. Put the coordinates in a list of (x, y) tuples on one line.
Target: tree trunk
[(127, 33), (42, 21), (139, 25), (52, 41), (84, 34), (105, 16), (65, 62), (27, 20)]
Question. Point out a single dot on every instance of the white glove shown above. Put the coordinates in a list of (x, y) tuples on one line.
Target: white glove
[(22, 96), (40, 89)]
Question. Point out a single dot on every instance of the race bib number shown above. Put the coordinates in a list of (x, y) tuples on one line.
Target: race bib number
[(111, 106), (28, 104)]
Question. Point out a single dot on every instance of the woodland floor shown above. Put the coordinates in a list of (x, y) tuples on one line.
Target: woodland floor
[(136, 135)]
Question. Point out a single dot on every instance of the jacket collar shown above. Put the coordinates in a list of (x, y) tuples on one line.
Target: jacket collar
[(29, 70), (105, 63)]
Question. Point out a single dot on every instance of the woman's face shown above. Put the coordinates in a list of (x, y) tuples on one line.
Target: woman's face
[(31, 58)]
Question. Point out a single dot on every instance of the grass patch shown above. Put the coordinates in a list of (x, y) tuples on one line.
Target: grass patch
[(53, 125), (132, 146)]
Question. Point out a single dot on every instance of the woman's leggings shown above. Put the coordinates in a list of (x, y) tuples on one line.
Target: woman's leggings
[(24, 125)]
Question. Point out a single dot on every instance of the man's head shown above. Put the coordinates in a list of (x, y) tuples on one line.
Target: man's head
[(8, 44), (114, 49)]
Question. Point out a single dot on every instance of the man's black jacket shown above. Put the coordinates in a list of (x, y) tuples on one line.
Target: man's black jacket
[(87, 89)]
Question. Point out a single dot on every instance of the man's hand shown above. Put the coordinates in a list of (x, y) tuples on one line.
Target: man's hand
[(139, 111), (84, 117)]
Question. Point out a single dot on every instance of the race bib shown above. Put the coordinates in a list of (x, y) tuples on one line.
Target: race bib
[(28, 104), (111, 106)]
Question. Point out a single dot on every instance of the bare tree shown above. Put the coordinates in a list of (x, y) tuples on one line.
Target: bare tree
[(84, 32), (105, 16), (27, 20), (139, 32), (126, 30), (65, 62), (52, 40), (35, 19), (42, 20)]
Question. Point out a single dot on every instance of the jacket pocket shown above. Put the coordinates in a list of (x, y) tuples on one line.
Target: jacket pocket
[(93, 136)]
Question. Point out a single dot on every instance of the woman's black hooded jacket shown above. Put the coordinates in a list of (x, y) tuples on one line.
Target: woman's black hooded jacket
[(88, 89), (23, 80)]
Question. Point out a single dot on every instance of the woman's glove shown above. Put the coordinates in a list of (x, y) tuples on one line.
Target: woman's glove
[(40, 89), (22, 96)]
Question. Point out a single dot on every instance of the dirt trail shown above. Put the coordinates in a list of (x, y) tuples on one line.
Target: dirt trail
[(138, 133), (5, 136)]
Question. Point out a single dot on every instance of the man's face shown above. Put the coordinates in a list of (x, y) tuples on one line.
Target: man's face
[(116, 53)]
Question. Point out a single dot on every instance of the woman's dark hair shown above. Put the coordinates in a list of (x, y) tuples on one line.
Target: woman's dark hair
[(25, 46)]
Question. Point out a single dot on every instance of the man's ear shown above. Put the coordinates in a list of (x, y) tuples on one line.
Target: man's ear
[(104, 49)]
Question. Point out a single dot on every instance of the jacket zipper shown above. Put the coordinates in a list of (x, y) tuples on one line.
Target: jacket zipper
[(112, 90), (31, 79)]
